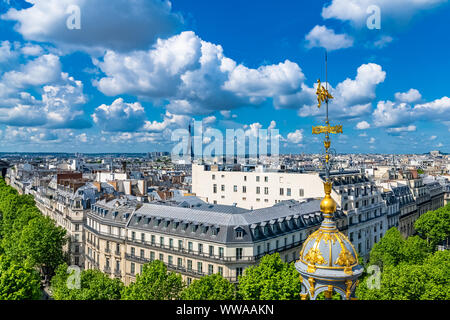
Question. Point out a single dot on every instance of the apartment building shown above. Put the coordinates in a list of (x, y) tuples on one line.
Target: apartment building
[(437, 195), (408, 209), (365, 209), (66, 200), (392, 208), (252, 187), (257, 187), (105, 244), (194, 238)]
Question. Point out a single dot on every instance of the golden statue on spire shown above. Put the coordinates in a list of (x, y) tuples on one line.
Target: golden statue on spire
[(322, 94)]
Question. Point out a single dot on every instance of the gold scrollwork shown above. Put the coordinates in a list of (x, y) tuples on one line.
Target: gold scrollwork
[(327, 129), (315, 256), (311, 286), (346, 259)]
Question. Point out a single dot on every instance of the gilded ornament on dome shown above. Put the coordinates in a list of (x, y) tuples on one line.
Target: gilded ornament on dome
[(345, 258), (315, 256)]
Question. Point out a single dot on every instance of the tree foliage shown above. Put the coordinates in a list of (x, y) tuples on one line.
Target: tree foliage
[(271, 279), (93, 285), (154, 283), (28, 240), (18, 282), (211, 287), (434, 226), (427, 281), (393, 249), (410, 270)]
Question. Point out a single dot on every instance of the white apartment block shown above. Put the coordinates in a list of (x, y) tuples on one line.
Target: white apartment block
[(257, 187)]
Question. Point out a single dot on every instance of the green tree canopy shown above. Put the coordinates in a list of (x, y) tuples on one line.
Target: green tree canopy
[(93, 285), (28, 237), (18, 282), (271, 279), (427, 281), (154, 283), (434, 225), (211, 287), (41, 242), (393, 249)]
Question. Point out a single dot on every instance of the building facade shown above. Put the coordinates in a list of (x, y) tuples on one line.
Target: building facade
[(255, 187), (195, 239)]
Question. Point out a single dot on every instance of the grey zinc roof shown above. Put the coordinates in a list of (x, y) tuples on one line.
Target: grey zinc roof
[(217, 223)]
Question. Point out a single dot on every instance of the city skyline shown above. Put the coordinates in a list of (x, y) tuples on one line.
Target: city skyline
[(92, 90)]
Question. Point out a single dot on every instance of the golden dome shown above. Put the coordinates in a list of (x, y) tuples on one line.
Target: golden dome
[(328, 261)]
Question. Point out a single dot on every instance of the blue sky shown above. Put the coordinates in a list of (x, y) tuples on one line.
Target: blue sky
[(136, 71)]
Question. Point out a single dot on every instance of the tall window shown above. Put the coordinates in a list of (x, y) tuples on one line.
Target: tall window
[(266, 190), (281, 191), (210, 269), (220, 252), (222, 187), (258, 190), (214, 188), (238, 272), (301, 192), (244, 189), (288, 192), (235, 188), (211, 250), (200, 267), (132, 268), (238, 253)]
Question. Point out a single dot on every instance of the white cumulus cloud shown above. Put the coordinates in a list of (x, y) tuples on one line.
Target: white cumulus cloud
[(321, 36)]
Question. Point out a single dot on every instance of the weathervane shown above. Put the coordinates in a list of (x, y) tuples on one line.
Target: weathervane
[(324, 96)]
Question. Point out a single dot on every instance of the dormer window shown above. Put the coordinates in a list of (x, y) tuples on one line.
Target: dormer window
[(239, 233)]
